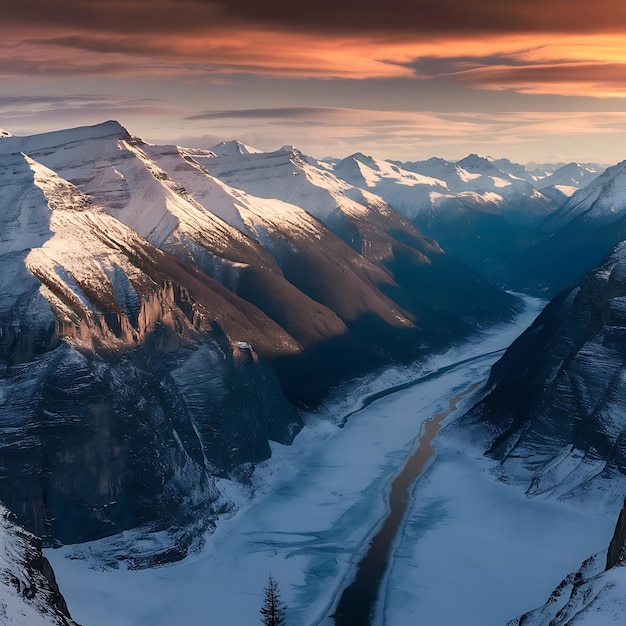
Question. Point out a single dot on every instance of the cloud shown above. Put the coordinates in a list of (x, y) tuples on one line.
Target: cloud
[(25, 115), (278, 113), (522, 45), (411, 135), (348, 17)]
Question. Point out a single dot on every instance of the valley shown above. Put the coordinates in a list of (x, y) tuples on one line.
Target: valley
[(215, 364), (318, 504)]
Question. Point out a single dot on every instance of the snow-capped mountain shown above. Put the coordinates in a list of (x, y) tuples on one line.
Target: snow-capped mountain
[(438, 187), (578, 235), (232, 148), (594, 595), (363, 220), (555, 416), (601, 202), (124, 370), (29, 595), (570, 176), (154, 321), (482, 211)]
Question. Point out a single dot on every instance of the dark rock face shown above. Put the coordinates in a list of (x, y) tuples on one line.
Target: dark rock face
[(615, 554), (101, 445), (559, 391)]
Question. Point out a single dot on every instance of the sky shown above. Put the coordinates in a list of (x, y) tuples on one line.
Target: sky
[(530, 80)]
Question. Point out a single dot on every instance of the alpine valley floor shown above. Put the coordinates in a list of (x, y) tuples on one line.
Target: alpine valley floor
[(472, 550)]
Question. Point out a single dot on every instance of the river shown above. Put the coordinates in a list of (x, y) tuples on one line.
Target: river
[(358, 600)]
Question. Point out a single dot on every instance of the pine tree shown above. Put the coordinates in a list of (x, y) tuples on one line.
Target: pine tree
[(273, 609)]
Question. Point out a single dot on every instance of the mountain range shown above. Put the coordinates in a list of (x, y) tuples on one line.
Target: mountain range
[(166, 312)]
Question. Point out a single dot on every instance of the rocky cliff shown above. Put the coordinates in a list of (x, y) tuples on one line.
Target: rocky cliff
[(29, 595), (555, 414)]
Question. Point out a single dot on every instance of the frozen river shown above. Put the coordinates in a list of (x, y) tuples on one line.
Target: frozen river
[(322, 500)]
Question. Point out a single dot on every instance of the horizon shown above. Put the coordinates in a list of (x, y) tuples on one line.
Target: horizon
[(510, 80), (199, 144)]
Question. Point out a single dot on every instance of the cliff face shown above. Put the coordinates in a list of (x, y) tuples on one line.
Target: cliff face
[(555, 416), (615, 554), (29, 595)]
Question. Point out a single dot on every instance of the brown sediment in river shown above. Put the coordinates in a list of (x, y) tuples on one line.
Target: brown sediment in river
[(358, 600)]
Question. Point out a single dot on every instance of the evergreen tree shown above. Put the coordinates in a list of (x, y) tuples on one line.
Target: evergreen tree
[(273, 609)]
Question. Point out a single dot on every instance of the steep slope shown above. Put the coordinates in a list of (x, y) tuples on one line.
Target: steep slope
[(602, 201), (121, 392), (408, 192), (594, 595), (555, 416), (29, 595), (577, 236), (487, 216), (283, 261), (430, 283)]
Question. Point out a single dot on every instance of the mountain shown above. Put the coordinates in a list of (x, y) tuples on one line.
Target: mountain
[(577, 236), (128, 380), (372, 228), (601, 201), (484, 212), (29, 595), (555, 417), (572, 175), (158, 326), (592, 595), (231, 148)]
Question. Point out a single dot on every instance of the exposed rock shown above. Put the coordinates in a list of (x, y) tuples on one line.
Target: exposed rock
[(29, 594), (555, 415)]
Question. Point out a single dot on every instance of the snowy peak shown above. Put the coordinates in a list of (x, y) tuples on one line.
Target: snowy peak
[(233, 148), (570, 175), (66, 138), (602, 201), (478, 164), (455, 177), (367, 172)]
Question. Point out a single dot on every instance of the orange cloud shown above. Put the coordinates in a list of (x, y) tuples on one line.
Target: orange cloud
[(547, 63)]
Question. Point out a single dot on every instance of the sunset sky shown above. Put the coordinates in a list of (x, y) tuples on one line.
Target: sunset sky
[(526, 79)]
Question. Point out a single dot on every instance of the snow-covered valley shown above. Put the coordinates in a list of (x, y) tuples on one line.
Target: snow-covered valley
[(467, 537), (172, 318)]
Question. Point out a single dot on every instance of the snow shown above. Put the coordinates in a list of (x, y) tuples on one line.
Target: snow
[(293, 178), (427, 188), (589, 597), (314, 507), (249, 214), (21, 603), (602, 200), (496, 551), (231, 148)]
